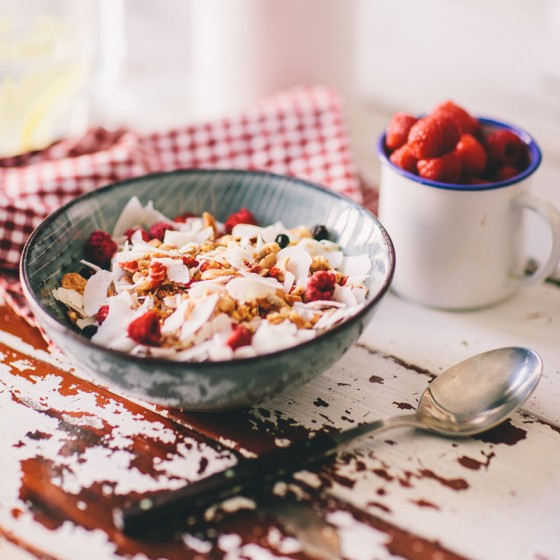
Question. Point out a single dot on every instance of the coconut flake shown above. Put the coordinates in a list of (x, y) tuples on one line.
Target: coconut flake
[(289, 280), (183, 239), (131, 216), (324, 248), (71, 298), (345, 294), (246, 289), (246, 231), (203, 287), (272, 337), (296, 260), (95, 292), (199, 315)]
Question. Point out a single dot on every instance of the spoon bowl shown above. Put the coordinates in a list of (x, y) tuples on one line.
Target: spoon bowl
[(480, 392), (468, 398)]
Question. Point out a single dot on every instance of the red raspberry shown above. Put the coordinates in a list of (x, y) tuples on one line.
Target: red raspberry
[(157, 230), (241, 336), (445, 169), (182, 218), (397, 130), (100, 248), (471, 154), (145, 329), (102, 314), (505, 172), (241, 217), (475, 181), (130, 232), (464, 121), (432, 137), (403, 158), (320, 286), (504, 147)]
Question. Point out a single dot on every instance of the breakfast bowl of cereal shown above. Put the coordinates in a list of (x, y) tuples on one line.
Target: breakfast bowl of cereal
[(207, 290)]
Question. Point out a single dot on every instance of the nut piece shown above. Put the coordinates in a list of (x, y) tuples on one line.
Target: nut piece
[(74, 281), (319, 263)]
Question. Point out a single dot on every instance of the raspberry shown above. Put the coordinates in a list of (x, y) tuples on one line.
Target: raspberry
[(241, 336), (320, 286), (505, 172), (102, 314), (241, 217), (445, 169), (404, 159), (471, 154), (397, 131), (432, 137), (504, 147), (464, 121), (100, 248), (145, 329), (182, 218), (157, 230), (130, 232)]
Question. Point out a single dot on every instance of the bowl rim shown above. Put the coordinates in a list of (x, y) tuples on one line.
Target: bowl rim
[(536, 158), (66, 330)]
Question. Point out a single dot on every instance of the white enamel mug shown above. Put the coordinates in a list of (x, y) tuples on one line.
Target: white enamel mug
[(462, 246)]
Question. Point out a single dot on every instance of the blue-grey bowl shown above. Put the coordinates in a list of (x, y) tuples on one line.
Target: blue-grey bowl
[(56, 246)]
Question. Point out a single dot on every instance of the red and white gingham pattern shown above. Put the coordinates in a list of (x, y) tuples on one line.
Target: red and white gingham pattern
[(300, 132)]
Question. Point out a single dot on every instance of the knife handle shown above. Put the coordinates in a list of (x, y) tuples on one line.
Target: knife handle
[(193, 499)]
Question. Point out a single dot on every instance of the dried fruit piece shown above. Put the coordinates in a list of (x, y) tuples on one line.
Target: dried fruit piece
[(145, 329), (243, 216), (404, 158), (445, 169), (504, 147), (241, 336), (466, 123), (320, 232), (190, 262), (158, 273), (398, 129), (283, 240), (471, 154), (432, 137), (320, 286), (100, 248), (102, 314), (157, 230), (130, 232)]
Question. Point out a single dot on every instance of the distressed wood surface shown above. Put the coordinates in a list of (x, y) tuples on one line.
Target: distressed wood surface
[(72, 451)]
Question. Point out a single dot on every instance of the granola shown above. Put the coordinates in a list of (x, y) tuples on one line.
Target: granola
[(194, 289)]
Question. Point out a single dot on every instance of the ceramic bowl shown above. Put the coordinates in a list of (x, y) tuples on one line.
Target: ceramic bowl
[(56, 245)]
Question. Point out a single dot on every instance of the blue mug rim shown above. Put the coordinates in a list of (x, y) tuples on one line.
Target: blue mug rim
[(534, 150)]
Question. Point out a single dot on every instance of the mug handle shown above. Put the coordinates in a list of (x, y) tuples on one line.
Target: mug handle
[(551, 216)]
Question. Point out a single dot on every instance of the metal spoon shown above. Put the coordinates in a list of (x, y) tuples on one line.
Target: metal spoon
[(468, 398)]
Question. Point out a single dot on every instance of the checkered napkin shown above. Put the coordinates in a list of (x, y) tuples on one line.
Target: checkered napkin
[(300, 132)]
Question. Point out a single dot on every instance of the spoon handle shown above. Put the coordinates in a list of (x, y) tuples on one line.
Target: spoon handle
[(194, 498)]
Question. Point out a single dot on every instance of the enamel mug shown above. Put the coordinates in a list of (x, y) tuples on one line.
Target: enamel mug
[(462, 246)]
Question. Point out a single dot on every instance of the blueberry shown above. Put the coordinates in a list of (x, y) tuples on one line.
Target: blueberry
[(320, 232), (283, 240), (89, 331)]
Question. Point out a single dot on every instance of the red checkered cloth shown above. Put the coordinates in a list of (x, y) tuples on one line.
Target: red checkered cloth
[(300, 132)]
